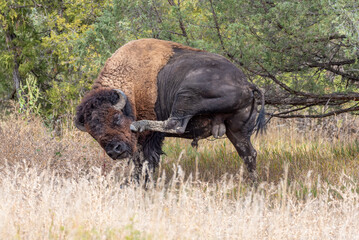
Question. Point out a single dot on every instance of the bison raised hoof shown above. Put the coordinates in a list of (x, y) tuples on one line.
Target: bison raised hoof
[(139, 126)]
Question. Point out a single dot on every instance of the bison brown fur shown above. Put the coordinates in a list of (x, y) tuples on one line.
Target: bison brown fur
[(108, 125)]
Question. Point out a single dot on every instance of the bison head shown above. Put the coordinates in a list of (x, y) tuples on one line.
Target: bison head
[(106, 114)]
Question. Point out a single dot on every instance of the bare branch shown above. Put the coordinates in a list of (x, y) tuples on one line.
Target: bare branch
[(282, 85), (289, 111), (217, 26), (351, 109), (344, 62), (320, 115), (180, 20), (328, 66), (22, 6)]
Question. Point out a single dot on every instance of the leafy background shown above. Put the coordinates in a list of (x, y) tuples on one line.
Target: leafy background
[(304, 54)]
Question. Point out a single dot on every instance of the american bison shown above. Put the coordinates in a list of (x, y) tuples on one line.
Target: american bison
[(151, 89)]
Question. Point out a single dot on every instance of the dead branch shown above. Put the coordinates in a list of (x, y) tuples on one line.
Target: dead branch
[(351, 109)]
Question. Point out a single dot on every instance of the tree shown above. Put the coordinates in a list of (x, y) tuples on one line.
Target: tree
[(19, 40), (303, 53), (302, 50), (38, 38)]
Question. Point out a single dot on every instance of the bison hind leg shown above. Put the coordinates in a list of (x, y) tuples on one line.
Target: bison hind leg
[(171, 125), (239, 130)]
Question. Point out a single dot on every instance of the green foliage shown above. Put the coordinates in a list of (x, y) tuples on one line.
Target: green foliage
[(38, 39), (65, 43), (280, 37), (30, 97), (62, 98)]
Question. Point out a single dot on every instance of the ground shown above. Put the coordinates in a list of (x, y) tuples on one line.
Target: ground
[(66, 188)]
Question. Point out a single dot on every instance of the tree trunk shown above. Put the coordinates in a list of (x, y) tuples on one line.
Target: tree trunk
[(16, 78), (9, 37)]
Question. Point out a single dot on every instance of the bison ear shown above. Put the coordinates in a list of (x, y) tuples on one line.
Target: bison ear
[(122, 100)]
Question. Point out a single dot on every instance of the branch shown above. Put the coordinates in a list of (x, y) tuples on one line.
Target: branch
[(289, 111), (351, 109), (22, 6), (325, 99), (328, 66), (311, 97), (303, 100), (217, 26), (158, 15), (284, 86), (181, 24), (344, 62)]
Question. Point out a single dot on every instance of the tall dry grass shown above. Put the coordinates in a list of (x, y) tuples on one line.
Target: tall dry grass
[(65, 188), (326, 148)]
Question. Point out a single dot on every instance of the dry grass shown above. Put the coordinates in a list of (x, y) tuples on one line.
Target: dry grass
[(58, 188), (327, 149)]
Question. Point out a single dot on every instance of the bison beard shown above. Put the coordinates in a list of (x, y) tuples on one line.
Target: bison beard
[(169, 90)]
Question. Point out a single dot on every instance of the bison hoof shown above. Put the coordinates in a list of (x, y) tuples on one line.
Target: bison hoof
[(138, 126), (253, 177), (133, 128)]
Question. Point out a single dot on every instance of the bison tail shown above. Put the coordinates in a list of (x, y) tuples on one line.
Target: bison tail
[(260, 124)]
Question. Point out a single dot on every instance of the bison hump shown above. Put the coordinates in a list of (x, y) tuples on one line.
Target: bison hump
[(133, 68)]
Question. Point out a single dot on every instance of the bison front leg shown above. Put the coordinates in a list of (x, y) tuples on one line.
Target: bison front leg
[(143, 168), (171, 125), (147, 157)]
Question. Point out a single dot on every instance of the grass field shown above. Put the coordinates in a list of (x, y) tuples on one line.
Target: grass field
[(66, 188)]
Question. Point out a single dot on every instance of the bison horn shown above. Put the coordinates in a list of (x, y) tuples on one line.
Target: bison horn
[(122, 102), (80, 125)]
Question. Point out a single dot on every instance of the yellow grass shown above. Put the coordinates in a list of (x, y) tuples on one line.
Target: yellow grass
[(65, 188)]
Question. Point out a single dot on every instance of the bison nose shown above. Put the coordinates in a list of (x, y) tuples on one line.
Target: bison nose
[(117, 150)]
